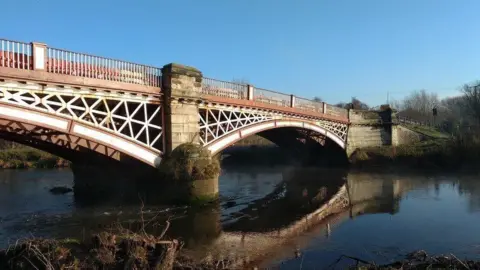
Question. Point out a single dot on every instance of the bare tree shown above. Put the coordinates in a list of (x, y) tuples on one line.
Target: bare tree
[(472, 100), (421, 102)]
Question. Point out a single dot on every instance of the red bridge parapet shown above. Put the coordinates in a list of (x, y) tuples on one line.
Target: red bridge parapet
[(38, 62)]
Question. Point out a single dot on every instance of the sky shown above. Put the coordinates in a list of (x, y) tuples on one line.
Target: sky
[(333, 49)]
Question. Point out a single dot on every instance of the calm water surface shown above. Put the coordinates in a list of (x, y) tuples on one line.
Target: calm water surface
[(391, 214)]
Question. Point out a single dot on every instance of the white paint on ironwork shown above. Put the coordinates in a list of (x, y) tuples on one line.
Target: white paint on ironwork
[(219, 121), (36, 118), (336, 139), (290, 124), (315, 128), (110, 112), (118, 143), (223, 143), (226, 140), (256, 128)]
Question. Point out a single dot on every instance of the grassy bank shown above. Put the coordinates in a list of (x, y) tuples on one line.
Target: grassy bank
[(26, 157), (456, 153), (428, 131)]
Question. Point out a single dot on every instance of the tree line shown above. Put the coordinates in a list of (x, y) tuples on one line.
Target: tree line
[(453, 114)]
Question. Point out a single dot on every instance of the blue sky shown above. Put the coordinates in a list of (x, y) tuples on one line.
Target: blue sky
[(334, 49)]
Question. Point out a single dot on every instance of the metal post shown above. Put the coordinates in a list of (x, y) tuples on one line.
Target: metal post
[(250, 92)]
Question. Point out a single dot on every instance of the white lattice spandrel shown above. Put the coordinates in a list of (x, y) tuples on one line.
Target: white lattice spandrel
[(138, 118), (216, 122), (339, 129)]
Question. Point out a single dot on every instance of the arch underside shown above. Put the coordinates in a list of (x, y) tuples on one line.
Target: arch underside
[(67, 138), (220, 127), (281, 132)]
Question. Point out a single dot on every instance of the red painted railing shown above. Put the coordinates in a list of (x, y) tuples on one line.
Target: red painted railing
[(232, 90), (19, 55), (89, 66), (15, 54)]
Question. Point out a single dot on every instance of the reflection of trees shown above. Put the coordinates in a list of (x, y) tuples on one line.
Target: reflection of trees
[(471, 187)]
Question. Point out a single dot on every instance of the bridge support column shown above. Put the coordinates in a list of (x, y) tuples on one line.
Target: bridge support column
[(181, 87), (370, 129), (193, 172)]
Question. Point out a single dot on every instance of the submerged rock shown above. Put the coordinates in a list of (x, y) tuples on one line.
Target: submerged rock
[(60, 190)]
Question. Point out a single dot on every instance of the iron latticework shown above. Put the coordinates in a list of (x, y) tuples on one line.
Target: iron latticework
[(216, 122), (339, 129), (137, 118)]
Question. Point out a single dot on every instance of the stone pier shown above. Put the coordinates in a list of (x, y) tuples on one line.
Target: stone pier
[(192, 169), (370, 129)]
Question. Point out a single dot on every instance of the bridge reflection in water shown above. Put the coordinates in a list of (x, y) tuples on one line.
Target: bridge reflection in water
[(300, 204), (306, 204)]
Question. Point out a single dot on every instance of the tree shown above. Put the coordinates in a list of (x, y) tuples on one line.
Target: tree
[(420, 101), (356, 104), (317, 99), (472, 100)]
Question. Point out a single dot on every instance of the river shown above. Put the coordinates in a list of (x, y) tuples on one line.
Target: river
[(390, 215)]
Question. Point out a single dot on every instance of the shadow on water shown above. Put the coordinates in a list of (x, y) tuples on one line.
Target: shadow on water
[(260, 214), (301, 191)]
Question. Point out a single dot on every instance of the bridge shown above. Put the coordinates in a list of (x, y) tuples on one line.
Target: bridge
[(80, 106)]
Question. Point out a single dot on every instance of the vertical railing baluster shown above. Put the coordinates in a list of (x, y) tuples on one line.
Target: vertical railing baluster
[(29, 54), (8, 53), (23, 56)]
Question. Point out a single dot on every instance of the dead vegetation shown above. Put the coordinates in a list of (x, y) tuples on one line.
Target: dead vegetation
[(419, 260), (118, 248), (105, 251)]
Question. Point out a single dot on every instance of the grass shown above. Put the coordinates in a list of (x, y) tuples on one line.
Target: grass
[(455, 153), (26, 157), (428, 131)]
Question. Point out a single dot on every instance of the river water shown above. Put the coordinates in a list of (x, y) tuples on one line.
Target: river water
[(390, 214)]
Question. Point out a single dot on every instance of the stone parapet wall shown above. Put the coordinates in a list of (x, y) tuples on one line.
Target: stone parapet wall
[(368, 136), (368, 129), (403, 135)]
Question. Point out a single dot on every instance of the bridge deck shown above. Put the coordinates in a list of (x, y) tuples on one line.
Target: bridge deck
[(36, 62)]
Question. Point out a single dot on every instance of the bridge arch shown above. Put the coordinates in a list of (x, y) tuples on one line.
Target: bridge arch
[(228, 139), (24, 124)]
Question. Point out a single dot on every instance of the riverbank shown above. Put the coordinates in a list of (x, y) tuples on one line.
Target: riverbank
[(418, 260), (122, 250), (453, 154), (129, 250), (25, 157)]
